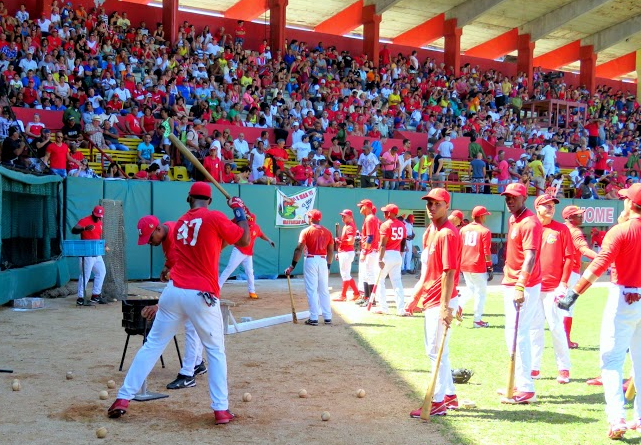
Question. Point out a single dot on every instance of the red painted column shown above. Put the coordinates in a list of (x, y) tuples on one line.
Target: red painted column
[(587, 76), (371, 33), (525, 57), (170, 19), (277, 21), (452, 36)]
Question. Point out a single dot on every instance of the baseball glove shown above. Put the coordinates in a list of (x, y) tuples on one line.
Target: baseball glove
[(462, 375)]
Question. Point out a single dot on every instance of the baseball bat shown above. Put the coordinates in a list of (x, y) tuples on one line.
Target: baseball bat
[(427, 403), (510, 378), (190, 156), (631, 391), (337, 229), (291, 298), (372, 296)]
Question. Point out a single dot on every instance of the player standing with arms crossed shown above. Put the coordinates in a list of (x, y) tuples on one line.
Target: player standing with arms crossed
[(90, 228), (318, 245), (193, 295), (437, 294), (556, 255), (621, 324), (345, 255), (521, 286), (476, 263), (368, 268), (390, 261), (573, 217)]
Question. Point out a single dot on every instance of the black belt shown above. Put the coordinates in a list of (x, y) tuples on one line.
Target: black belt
[(314, 256)]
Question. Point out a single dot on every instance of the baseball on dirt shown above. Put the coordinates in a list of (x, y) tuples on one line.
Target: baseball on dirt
[(16, 385), (360, 393), (111, 384), (69, 375), (325, 416), (103, 395), (302, 393), (101, 432), (247, 397)]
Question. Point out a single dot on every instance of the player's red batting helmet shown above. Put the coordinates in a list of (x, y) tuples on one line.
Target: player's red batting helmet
[(392, 208), (146, 226), (98, 211)]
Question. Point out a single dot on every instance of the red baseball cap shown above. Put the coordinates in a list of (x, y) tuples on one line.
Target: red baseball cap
[(390, 208), (544, 199), (314, 215), (365, 202), (633, 193), (479, 211), (200, 189), (410, 218), (347, 212), (438, 194), (571, 211), (327, 172), (98, 211), (515, 189), (146, 226), (457, 214)]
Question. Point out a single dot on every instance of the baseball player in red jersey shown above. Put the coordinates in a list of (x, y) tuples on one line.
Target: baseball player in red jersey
[(456, 218), (90, 228), (317, 243), (621, 324), (521, 286), (476, 263), (192, 294), (151, 232), (573, 217), (345, 255), (245, 255), (556, 254), (390, 261), (437, 294), (368, 268)]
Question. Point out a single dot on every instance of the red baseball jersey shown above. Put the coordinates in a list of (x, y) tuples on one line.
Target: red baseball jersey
[(556, 249), (524, 233), (395, 232), (370, 228), (316, 238), (621, 247), (254, 232), (168, 245), (95, 233), (476, 242), (581, 247), (443, 253), (347, 238), (199, 237)]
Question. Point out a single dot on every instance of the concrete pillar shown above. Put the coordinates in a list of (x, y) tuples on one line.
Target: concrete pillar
[(277, 21), (525, 58), (452, 36), (371, 30), (638, 65), (170, 19), (587, 76)]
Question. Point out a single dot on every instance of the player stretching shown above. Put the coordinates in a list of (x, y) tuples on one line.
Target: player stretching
[(193, 295), (392, 235), (437, 294), (621, 324), (345, 255), (90, 228)]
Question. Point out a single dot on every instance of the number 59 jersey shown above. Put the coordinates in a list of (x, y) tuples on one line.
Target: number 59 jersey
[(199, 236), (395, 232), (476, 241)]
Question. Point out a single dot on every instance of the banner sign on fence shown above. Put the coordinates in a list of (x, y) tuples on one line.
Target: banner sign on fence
[(598, 215), (291, 209)]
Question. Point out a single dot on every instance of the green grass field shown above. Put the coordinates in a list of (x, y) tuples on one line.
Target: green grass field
[(565, 414)]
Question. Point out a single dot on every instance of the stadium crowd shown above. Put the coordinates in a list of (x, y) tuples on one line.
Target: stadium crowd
[(113, 79)]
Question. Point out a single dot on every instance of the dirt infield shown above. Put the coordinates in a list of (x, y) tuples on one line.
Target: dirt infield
[(273, 364)]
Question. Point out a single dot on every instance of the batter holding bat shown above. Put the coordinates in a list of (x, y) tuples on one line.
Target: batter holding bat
[(192, 294), (345, 255), (436, 292)]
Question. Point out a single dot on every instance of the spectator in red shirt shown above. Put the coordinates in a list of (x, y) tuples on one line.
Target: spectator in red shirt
[(58, 155), (213, 164)]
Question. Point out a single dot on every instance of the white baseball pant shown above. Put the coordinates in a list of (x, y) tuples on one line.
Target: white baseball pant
[(620, 330), (545, 309), (345, 260), (193, 350), (368, 269), (477, 288), (96, 265), (574, 278), (407, 256), (393, 262), (235, 259), (434, 330), (523, 369), (175, 307), (316, 277)]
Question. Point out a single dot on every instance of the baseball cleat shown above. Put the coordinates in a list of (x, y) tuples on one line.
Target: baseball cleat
[(520, 398), (82, 302), (224, 416), (535, 374), (359, 301), (253, 296), (438, 409), (617, 429), (200, 369), (182, 381), (98, 299), (481, 324), (595, 381), (573, 345), (328, 321), (311, 322), (451, 402), (118, 408), (563, 377)]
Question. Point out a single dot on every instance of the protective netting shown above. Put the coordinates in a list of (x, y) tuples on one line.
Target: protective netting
[(30, 222), (113, 229)]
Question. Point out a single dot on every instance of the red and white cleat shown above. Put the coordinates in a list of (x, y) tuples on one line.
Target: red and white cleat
[(535, 374), (451, 402), (118, 408), (520, 398), (438, 409), (617, 429), (224, 416), (563, 377)]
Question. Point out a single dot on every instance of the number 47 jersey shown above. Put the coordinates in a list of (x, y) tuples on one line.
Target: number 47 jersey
[(476, 241), (395, 232), (199, 237)]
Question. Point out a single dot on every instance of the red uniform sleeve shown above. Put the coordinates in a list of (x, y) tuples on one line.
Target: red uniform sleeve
[(486, 239), (581, 245), (612, 244)]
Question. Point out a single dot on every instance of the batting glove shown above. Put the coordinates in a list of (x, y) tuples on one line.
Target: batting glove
[(568, 300), (236, 203), (490, 273)]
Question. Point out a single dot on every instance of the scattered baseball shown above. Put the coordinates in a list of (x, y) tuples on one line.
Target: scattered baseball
[(103, 395), (101, 432), (69, 375), (325, 416), (247, 397), (360, 393), (302, 394), (16, 385), (111, 384)]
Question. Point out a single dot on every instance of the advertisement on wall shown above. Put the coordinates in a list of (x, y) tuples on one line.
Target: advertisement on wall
[(291, 209)]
